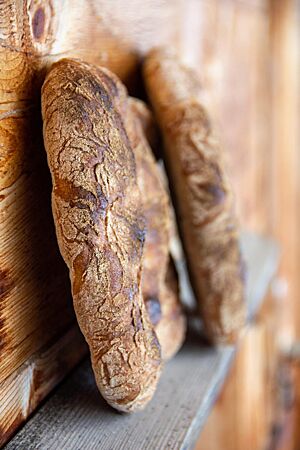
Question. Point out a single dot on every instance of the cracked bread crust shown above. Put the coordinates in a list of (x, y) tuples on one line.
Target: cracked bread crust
[(202, 195), (159, 286), (100, 227), (159, 279)]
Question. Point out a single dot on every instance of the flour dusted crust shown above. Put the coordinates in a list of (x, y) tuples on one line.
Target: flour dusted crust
[(159, 279), (100, 227), (203, 198)]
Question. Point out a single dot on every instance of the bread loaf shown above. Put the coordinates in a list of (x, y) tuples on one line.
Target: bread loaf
[(159, 282), (202, 195), (100, 227), (159, 279)]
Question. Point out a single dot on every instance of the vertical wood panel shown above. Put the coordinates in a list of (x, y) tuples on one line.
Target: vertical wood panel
[(231, 39), (280, 165), (234, 63), (286, 162), (286, 192), (245, 412)]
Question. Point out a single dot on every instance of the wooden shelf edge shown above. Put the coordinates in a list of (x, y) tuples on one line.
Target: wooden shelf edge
[(76, 416), (23, 390)]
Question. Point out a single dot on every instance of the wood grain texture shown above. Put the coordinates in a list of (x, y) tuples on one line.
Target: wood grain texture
[(23, 390), (227, 42), (286, 157), (35, 303), (285, 17), (232, 41), (76, 417), (250, 396)]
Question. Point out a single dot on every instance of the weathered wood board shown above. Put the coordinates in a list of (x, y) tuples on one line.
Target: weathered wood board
[(26, 387), (76, 416)]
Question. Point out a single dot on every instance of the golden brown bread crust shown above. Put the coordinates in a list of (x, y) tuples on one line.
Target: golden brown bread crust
[(159, 287), (159, 281), (100, 228), (203, 198), (171, 328)]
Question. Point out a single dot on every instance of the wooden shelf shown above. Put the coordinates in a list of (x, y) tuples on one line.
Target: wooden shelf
[(76, 417)]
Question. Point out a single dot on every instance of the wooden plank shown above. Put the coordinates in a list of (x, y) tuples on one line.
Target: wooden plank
[(243, 416), (76, 417), (232, 42), (227, 42), (286, 159), (285, 52), (23, 390)]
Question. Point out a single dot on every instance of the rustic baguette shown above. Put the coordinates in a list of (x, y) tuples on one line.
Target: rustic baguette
[(202, 195), (100, 228), (159, 280)]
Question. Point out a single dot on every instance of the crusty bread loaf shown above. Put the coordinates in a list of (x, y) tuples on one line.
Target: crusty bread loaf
[(159, 286), (202, 195), (159, 280), (100, 228)]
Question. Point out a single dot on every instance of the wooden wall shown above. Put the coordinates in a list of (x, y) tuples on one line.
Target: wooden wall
[(259, 406), (285, 32), (246, 56), (229, 47)]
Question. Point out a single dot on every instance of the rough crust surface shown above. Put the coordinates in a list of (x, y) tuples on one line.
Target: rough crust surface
[(100, 228), (159, 279), (203, 198)]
